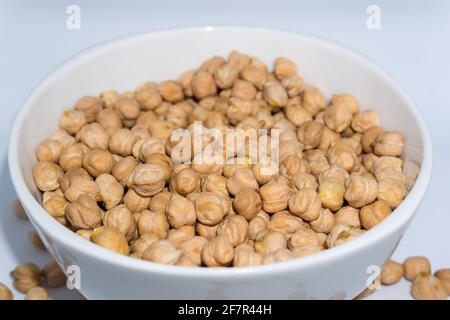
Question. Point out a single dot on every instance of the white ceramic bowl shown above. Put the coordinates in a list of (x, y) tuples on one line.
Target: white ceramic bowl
[(125, 63)]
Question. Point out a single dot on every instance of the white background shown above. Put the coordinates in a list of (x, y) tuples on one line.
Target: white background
[(413, 44)]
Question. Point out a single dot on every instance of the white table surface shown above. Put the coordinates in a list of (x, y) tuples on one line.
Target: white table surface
[(412, 44)]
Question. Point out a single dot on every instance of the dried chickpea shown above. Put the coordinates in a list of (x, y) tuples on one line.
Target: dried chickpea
[(203, 85), (310, 134), (444, 278), (348, 100), (206, 231), (155, 222), (331, 193), (134, 202), (49, 150), (291, 165), (147, 179), (226, 75), (159, 202), (85, 234), (171, 91), (128, 109), (238, 110), (389, 143), (275, 94), (122, 219), (341, 233), (392, 273), (218, 252), (238, 60), (294, 85), (324, 223), (285, 222), (161, 251), (365, 120), (303, 180), (257, 224), (26, 277), (56, 206), (427, 287), (47, 175), (305, 204), (72, 121), (240, 180), (235, 228), (123, 169), (90, 106), (306, 250), (177, 236), (302, 237), (37, 293), (338, 117), (214, 183), (247, 203), (374, 213), (84, 213), (274, 196), (185, 181), (94, 136), (343, 155), (5, 293), (313, 100), (122, 142), (414, 266), (284, 67), (392, 191), (98, 162), (110, 120), (142, 243), (349, 215), (192, 248), (148, 96), (269, 241), (110, 238), (109, 97), (317, 161), (72, 156), (265, 171), (243, 89), (361, 190), (209, 207), (53, 274), (110, 191), (36, 240), (254, 74), (180, 211)]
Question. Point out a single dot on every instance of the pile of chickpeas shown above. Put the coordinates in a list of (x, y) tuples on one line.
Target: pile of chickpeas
[(108, 175)]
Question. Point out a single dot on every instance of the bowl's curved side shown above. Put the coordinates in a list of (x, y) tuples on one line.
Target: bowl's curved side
[(341, 269)]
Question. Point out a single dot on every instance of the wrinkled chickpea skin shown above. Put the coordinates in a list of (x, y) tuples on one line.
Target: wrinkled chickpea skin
[(109, 172)]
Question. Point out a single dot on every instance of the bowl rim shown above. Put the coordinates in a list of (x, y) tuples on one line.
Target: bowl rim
[(70, 240)]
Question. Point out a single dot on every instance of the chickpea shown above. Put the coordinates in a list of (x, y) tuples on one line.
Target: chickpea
[(110, 191), (206, 231), (148, 96), (389, 143), (123, 169), (274, 196), (56, 206), (284, 67), (226, 75), (324, 223), (49, 150), (180, 211), (134, 202), (178, 236), (72, 156), (238, 60), (171, 91), (77, 182), (85, 234), (265, 171), (235, 228), (143, 242), (361, 190), (90, 106), (243, 89), (444, 278), (214, 183), (335, 171), (62, 136), (305, 204), (53, 274), (147, 179), (302, 237), (283, 222), (160, 201), (374, 213), (98, 162), (349, 215), (392, 191), (247, 203), (426, 287), (414, 266), (368, 161), (269, 241), (317, 161), (128, 109), (72, 121), (26, 277), (240, 180), (365, 120), (185, 181), (338, 117), (110, 238), (218, 252), (161, 251), (392, 273), (5, 293), (47, 175), (209, 207), (313, 100), (369, 137), (155, 222), (257, 224), (122, 142), (331, 193), (36, 240), (203, 85), (37, 293), (348, 100), (238, 110), (291, 165), (243, 258), (84, 213), (303, 180), (343, 155), (192, 248), (275, 94), (110, 120), (122, 219), (341, 233), (254, 74), (161, 129), (310, 134)]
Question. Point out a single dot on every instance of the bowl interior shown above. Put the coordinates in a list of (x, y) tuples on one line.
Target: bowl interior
[(126, 63)]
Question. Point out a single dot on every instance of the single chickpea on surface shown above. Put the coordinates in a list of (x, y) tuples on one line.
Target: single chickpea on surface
[(427, 287), (414, 266), (26, 276), (392, 273), (53, 275)]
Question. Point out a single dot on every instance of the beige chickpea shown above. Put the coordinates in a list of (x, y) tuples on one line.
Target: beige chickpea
[(62, 136), (331, 193), (302, 237), (284, 67), (243, 258), (121, 218), (291, 165), (254, 74), (265, 171), (5, 293), (161, 129), (98, 162), (392, 191), (264, 118), (374, 213), (72, 121), (389, 143), (280, 255), (392, 273), (444, 278), (142, 122), (324, 223), (335, 171), (147, 147), (284, 222), (317, 161), (257, 224), (159, 202), (110, 120), (294, 85), (365, 120), (171, 91), (128, 108), (90, 106), (310, 134), (142, 243), (349, 215), (49, 150), (238, 60), (226, 75), (26, 277), (338, 117), (306, 250), (343, 155), (218, 252), (134, 202), (155, 222), (384, 163), (243, 89), (206, 231), (110, 191), (53, 274), (269, 241), (426, 287), (414, 266), (303, 180), (161, 251), (37, 293), (238, 110), (47, 175), (305, 204), (361, 190), (178, 236), (203, 85), (123, 169), (235, 228), (84, 213), (147, 179), (94, 136), (192, 248), (214, 183), (274, 196), (329, 138), (212, 64), (72, 156), (313, 100), (275, 94), (56, 206), (85, 234), (148, 96), (341, 233), (122, 142), (185, 181), (247, 203), (240, 180), (209, 207), (368, 161), (369, 137), (180, 211), (346, 99)]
